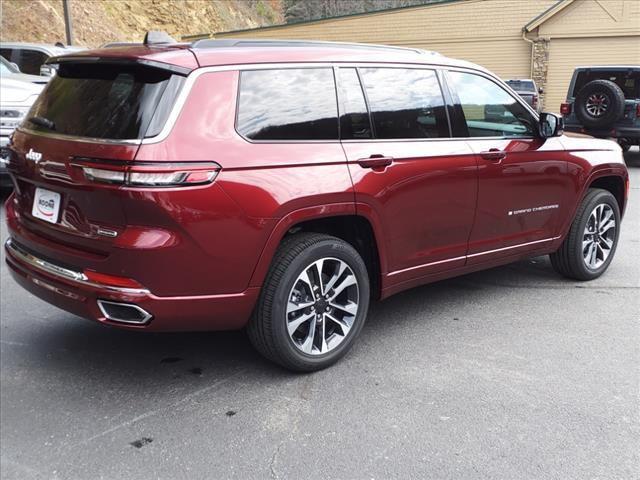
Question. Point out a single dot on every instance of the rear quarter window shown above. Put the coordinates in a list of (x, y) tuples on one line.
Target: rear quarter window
[(288, 104)]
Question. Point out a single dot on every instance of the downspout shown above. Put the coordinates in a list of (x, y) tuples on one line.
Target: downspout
[(530, 42)]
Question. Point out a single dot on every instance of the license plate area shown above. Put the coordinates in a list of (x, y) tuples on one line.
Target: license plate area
[(46, 205)]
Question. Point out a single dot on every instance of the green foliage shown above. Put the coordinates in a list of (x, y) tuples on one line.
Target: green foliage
[(265, 11), (304, 10)]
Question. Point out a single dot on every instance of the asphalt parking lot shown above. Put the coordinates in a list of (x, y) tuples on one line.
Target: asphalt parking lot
[(509, 373)]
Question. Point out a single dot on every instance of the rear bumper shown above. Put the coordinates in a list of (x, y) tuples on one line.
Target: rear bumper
[(615, 132), (67, 289)]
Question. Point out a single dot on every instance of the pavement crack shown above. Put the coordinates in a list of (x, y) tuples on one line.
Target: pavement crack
[(274, 458)]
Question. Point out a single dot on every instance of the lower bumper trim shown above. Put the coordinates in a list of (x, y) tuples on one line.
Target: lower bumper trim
[(39, 264)]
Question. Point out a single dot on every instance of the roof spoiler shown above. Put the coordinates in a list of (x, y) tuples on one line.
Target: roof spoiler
[(184, 71)]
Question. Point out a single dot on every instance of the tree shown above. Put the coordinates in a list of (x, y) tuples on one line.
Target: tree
[(304, 10)]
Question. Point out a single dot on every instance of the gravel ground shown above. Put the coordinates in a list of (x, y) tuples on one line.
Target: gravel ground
[(510, 373)]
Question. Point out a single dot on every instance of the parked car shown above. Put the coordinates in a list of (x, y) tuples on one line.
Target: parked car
[(528, 90), (605, 102), (16, 97), (31, 57), (220, 185), (11, 70)]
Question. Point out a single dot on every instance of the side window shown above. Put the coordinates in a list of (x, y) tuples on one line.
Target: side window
[(489, 110), (6, 53), (405, 103), (29, 61), (288, 104), (354, 116)]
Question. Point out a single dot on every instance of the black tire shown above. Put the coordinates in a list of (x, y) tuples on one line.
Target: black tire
[(267, 327), (569, 260), (601, 89)]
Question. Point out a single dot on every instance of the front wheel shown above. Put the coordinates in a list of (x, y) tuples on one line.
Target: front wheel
[(591, 242), (313, 304)]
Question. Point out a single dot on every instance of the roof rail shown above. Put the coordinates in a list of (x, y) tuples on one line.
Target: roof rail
[(237, 42)]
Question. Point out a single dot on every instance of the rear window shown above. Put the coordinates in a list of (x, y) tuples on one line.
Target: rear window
[(106, 101), (288, 104), (521, 85), (627, 80)]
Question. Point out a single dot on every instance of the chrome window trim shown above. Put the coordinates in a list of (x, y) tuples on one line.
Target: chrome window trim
[(183, 95), (76, 138), (60, 272)]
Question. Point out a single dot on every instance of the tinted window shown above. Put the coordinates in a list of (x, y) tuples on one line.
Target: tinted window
[(28, 61), (627, 80), (288, 104), (354, 117), (488, 109), (105, 101), (6, 54), (405, 103), (521, 85)]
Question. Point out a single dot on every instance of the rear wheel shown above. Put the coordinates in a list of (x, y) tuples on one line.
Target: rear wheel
[(591, 242), (313, 304)]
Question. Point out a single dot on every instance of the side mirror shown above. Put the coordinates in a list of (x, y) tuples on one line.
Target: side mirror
[(551, 125), (541, 90), (47, 70)]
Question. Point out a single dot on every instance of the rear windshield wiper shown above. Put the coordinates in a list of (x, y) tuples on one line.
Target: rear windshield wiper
[(43, 122)]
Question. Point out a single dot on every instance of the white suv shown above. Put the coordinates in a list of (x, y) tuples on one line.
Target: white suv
[(30, 57)]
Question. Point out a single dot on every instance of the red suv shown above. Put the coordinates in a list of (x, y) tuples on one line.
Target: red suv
[(283, 185)]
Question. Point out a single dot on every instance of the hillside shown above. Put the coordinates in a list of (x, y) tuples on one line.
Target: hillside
[(99, 21)]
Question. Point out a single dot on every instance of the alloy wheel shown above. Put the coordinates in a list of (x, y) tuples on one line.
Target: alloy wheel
[(597, 104), (322, 306), (599, 236)]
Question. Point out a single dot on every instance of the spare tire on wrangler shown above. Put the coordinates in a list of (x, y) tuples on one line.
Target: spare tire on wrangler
[(599, 104)]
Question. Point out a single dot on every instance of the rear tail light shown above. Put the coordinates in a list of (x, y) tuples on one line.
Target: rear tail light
[(626, 190), (534, 102), (638, 110), (565, 109), (150, 175)]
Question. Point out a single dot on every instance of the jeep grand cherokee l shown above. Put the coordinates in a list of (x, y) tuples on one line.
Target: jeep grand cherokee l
[(280, 186)]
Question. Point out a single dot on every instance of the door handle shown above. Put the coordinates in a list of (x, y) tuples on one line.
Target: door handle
[(375, 161), (493, 155)]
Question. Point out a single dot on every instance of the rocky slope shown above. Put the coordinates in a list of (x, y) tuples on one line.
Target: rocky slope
[(99, 21)]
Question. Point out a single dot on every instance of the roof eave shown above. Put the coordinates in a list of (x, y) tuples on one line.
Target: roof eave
[(547, 14)]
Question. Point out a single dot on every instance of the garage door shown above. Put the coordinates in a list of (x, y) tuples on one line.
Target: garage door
[(567, 53)]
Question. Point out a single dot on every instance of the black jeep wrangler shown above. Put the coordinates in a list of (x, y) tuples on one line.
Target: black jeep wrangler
[(605, 102)]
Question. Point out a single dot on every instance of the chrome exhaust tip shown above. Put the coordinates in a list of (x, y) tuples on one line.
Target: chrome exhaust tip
[(128, 313)]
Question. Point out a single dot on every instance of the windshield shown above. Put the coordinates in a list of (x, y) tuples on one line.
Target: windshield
[(522, 85), (6, 67), (107, 101)]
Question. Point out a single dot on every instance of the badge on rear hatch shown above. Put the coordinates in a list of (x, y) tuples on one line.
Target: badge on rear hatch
[(33, 155), (46, 205)]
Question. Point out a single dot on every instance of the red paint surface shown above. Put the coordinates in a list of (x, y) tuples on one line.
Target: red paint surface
[(440, 209)]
